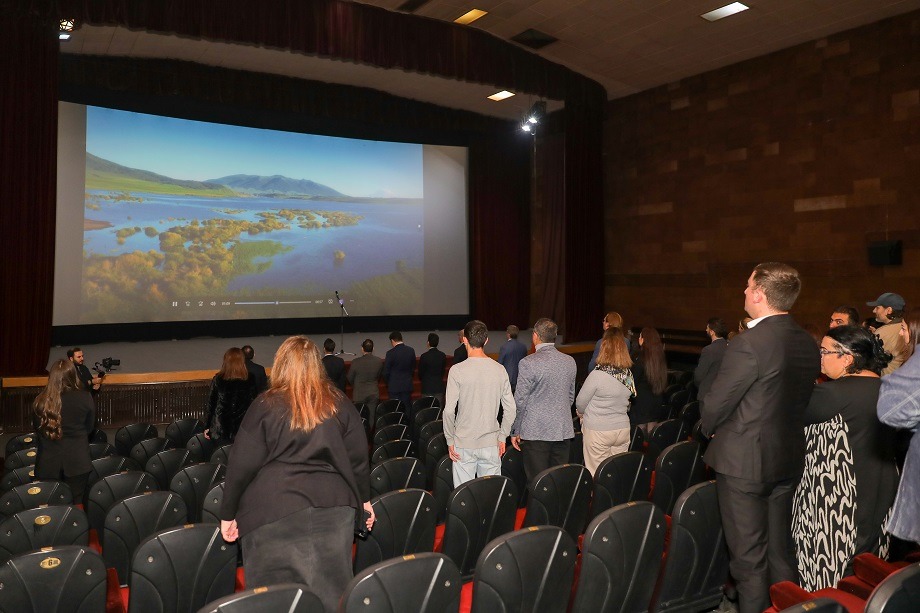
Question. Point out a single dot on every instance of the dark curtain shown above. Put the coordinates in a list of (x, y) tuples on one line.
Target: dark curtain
[(499, 229), (549, 261), (584, 217), (28, 164)]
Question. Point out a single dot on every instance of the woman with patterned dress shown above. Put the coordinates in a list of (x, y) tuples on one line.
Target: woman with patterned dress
[(850, 479)]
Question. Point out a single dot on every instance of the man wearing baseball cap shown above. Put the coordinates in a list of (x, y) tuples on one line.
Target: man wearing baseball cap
[(889, 309)]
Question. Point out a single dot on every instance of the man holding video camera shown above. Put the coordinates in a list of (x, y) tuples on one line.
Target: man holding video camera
[(90, 382)]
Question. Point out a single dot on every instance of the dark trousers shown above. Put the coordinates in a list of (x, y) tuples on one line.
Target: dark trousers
[(757, 519), (540, 455), (312, 547)]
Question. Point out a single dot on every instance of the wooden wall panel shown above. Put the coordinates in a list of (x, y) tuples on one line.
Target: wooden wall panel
[(803, 156)]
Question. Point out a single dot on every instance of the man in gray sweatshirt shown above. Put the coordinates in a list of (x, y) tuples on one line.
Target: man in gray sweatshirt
[(476, 389)]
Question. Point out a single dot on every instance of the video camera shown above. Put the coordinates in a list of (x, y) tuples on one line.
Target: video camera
[(106, 365)]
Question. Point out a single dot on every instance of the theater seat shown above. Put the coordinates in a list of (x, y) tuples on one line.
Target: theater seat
[(477, 512), (181, 569), (194, 482), (624, 477), (405, 525), (60, 579), (397, 474), (32, 495), (181, 430), (868, 571), (677, 468), (42, 527), (128, 436), (284, 597), (526, 570), (421, 583), (561, 496)]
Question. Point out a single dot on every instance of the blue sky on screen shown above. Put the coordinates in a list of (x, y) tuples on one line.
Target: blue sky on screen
[(197, 151)]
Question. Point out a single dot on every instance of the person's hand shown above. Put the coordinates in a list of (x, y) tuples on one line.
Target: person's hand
[(228, 530), (516, 442), (454, 456), (207, 433), (501, 448), (370, 520)]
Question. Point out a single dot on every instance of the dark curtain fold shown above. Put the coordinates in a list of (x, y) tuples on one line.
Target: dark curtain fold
[(584, 217), (499, 225), (28, 164), (549, 263)]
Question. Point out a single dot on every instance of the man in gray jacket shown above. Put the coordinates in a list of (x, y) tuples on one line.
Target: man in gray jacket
[(545, 391), (476, 389)]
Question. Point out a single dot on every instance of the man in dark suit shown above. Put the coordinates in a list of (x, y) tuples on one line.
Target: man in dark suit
[(256, 370), (710, 356), (335, 366), (364, 377), (460, 352), (511, 353), (753, 411), (431, 370), (398, 367)]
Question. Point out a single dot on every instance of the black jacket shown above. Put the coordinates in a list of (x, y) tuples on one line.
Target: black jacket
[(335, 368), (227, 404), (70, 453), (431, 371)]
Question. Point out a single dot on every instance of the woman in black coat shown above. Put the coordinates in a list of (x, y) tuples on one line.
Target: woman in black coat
[(232, 391), (64, 417)]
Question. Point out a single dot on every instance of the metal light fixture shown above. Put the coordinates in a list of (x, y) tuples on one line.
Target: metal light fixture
[(66, 28)]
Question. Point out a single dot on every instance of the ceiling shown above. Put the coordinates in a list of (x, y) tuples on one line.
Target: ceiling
[(627, 46)]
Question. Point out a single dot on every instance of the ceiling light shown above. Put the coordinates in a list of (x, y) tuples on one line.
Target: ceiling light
[(725, 11), (65, 28), (470, 17), (497, 96), (526, 127)]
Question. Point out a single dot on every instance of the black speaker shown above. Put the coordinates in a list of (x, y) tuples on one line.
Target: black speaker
[(885, 253)]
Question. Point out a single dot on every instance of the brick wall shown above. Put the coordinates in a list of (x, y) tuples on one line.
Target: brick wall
[(804, 156)]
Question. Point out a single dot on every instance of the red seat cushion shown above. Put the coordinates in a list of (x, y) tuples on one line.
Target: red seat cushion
[(438, 538), (872, 569), (466, 597), (856, 586), (519, 518), (94, 540), (113, 601), (786, 594), (240, 579)]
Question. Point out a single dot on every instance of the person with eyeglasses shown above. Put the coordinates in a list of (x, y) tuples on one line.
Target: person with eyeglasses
[(850, 477)]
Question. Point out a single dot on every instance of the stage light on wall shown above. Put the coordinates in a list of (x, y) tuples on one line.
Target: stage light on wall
[(66, 28), (534, 116)]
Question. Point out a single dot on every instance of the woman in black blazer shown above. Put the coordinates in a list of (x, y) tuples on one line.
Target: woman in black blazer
[(233, 389), (64, 417)]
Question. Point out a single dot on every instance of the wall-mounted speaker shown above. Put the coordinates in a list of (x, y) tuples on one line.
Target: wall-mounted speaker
[(885, 253)]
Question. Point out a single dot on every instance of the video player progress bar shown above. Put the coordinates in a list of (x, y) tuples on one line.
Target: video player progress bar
[(275, 302)]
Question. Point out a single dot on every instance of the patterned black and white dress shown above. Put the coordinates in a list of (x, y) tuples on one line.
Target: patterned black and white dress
[(849, 483)]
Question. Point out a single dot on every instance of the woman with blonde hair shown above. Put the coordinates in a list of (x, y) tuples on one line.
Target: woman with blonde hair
[(64, 417), (297, 474), (603, 402), (233, 389)]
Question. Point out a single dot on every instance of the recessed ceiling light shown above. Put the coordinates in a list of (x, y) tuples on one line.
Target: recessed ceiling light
[(500, 95), (470, 17), (725, 11)]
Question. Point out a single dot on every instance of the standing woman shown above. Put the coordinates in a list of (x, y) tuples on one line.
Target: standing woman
[(651, 375), (297, 474), (603, 402), (850, 476), (233, 389), (64, 417)]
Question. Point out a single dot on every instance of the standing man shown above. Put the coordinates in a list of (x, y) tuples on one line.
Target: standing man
[(889, 310), (90, 383), (459, 352), (256, 370), (364, 377), (844, 315), (511, 354), (478, 390), (335, 366), (431, 370), (545, 391), (711, 356), (398, 368), (753, 412)]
